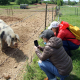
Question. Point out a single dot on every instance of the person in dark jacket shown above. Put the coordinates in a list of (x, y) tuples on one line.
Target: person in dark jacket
[(69, 40), (54, 60)]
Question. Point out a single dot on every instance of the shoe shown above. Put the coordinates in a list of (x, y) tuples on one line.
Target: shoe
[(46, 78)]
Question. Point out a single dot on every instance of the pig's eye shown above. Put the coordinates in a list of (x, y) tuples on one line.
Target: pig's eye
[(12, 39)]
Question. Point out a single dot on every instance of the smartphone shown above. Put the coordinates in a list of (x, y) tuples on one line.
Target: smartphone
[(36, 43)]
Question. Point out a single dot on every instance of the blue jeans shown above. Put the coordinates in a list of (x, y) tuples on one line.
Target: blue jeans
[(68, 45), (50, 70)]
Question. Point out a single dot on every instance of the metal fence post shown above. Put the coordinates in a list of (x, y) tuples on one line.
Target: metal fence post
[(52, 14), (58, 17), (12, 12), (7, 11), (45, 16), (59, 7), (77, 11), (56, 10)]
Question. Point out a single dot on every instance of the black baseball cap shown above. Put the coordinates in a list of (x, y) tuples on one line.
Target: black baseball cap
[(47, 34)]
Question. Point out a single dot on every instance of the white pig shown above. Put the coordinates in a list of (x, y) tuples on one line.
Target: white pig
[(8, 36)]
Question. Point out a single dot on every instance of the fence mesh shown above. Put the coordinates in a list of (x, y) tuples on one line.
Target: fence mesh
[(26, 38)]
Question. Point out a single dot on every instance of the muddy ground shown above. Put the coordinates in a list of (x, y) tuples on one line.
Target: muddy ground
[(28, 24)]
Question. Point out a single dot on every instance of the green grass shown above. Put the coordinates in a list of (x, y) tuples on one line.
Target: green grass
[(33, 72), (68, 15), (13, 5)]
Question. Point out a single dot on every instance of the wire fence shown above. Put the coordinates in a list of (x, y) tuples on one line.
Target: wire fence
[(66, 12), (49, 20), (22, 43), (30, 52), (72, 12)]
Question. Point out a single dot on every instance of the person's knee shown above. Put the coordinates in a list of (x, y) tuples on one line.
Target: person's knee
[(40, 63)]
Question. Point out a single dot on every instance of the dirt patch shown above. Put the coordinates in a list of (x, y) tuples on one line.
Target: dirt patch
[(28, 30), (9, 19)]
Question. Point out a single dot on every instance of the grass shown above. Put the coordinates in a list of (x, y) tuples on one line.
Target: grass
[(68, 15), (13, 5), (33, 72)]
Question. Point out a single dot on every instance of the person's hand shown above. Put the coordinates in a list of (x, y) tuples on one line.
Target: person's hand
[(39, 47), (35, 48)]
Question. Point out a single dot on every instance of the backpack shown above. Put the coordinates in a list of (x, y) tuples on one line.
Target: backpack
[(73, 29)]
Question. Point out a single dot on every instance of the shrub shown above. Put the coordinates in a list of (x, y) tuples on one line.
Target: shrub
[(49, 2), (59, 2), (72, 3), (4, 2), (39, 2)]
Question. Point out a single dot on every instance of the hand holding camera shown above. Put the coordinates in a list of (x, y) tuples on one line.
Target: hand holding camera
[(36, 45)]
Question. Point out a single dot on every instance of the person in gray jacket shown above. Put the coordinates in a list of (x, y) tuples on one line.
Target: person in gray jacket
[(54, 60)]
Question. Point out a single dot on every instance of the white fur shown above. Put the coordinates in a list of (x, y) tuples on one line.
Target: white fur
[(8, 32)]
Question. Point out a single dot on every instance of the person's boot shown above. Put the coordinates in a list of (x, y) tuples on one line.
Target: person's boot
[(46, 78)]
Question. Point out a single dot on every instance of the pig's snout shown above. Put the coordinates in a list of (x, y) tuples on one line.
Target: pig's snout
[(16, 44)]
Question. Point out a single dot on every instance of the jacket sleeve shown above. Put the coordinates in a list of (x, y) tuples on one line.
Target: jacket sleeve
[(44, 55), (40, 48), (61, 34)]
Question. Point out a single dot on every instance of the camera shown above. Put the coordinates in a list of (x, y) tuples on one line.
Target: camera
[(36, 43)]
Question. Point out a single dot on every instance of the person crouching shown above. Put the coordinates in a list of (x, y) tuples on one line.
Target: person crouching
[(54, 60)]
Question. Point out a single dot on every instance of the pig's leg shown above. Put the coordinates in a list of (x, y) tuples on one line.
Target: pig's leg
[(2, 45)]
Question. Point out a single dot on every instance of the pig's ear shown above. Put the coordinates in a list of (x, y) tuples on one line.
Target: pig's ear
[(8, 40), (17, 37)]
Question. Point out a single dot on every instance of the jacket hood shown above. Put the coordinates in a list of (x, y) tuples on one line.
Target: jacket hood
[(54, 42)]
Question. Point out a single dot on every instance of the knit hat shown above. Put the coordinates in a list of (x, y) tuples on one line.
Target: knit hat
[(54, 24), (47, 34)]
